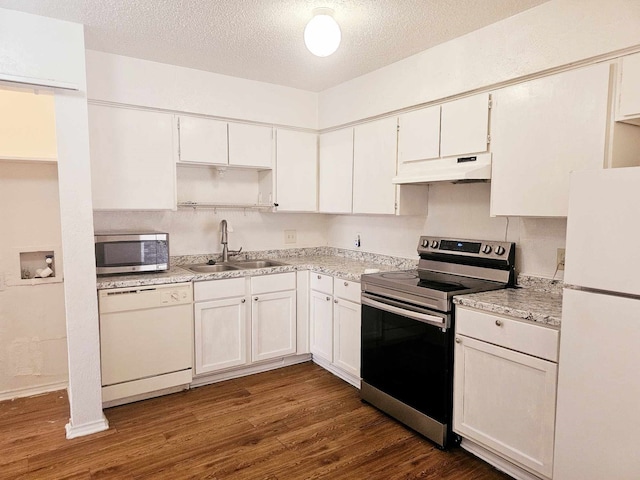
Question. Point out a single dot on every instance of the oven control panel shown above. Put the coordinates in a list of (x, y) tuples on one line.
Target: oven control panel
[(465, 247)]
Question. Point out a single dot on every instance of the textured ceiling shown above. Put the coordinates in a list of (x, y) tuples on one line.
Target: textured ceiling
[(262, 39)]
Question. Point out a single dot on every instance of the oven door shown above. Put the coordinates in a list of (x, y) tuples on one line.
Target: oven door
[(407, 353)]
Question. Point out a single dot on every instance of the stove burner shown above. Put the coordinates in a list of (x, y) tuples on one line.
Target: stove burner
[(441, 286), (400, 275)]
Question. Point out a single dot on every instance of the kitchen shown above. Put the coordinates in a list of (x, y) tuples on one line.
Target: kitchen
[(459, 211)]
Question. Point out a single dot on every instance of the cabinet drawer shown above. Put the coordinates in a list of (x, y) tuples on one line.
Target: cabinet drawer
[(322, 283), (217, 289), (521, 336), (347, 290), (273, 283)]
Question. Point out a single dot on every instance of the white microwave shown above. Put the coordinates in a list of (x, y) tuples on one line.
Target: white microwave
[(131, 252)]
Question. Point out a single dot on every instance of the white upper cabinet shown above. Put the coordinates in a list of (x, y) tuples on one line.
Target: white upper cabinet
[(629, 103), (27, 126), (541, 131), (250, 145), (374, 165), (132, 159), (336, 171), (465, 126), (296, 171), (419, 135), (202, 140)]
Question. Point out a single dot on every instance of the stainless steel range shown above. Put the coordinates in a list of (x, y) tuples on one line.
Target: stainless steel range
[(407, 329)]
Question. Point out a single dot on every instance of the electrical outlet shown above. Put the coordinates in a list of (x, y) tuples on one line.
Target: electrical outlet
[(560, 259), (290, 236)]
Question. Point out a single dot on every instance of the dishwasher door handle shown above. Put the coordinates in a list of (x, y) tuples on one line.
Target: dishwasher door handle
[(421, 317)]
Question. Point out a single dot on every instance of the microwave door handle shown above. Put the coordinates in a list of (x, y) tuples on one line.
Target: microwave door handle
[(421, 317)]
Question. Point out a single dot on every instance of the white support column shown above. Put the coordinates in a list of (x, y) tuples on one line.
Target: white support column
[(76, 216)]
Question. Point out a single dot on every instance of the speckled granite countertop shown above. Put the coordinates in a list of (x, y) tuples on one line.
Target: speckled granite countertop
[(345, 264), (540, 303)]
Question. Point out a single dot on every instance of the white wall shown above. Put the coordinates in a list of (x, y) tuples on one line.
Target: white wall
[(553, 34), (119, 79), (33, 345), (197, 231), (458, 211)]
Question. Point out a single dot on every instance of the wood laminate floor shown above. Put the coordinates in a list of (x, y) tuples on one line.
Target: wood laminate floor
[(298, 422)]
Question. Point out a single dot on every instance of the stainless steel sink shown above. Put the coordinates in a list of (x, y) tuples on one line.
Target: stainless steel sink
[(257, 263), (206, 268)]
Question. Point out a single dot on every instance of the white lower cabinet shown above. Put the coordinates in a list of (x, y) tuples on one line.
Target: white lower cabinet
[(505, 380), (335, 326), (220, 334), (226, 330), (273, 325), (346, 336), (321, 320)]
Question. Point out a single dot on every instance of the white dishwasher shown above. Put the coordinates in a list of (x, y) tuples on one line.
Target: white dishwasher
[(146, 341)]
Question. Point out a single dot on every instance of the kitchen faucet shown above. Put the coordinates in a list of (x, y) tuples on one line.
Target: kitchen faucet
[(224, 240)]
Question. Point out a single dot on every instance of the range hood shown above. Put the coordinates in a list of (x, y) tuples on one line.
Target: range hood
[(451, 169)]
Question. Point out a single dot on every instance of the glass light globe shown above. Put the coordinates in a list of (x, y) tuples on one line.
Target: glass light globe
[(322, 35)]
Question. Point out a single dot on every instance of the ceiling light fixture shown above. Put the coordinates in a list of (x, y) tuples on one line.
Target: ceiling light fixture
[(322, 34)]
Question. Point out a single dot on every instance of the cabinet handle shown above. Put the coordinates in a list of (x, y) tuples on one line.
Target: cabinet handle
[(458, 340), (335, 301), (328, 298), (346, 284), (243, 300), (319, 277), (255, 298), (499, 323)]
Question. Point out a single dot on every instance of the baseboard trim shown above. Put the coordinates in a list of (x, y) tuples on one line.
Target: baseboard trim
[(336, 371), (500, 463), (207, 379), (33, 391), (75, 431)]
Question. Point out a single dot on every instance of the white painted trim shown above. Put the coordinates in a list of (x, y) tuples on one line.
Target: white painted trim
[(29, 159), (341, 374), (40, 82), (250, 370), (75, 431), (500, 463), (33, 391), (129, 106)]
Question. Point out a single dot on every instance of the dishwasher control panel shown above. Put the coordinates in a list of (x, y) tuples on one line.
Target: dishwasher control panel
[(149, 296)]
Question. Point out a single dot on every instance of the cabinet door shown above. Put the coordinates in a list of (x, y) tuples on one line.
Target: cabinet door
[(132, 159), (220, 334), (541, 131), (250, 145), (374, 165), (202, 140), (296, 171), (336, 171), (465, 126), (321, 325), (273, 319), (505, 400), (629, 91), (419, 135), (28, 126), (346, 336)]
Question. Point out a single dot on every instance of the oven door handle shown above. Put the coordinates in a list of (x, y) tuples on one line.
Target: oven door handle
[(421, 317)]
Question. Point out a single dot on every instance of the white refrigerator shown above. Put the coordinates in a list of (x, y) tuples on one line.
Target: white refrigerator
[(598, 409)]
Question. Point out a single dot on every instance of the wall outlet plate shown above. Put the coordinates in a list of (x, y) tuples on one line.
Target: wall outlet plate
[(290, 236), (560, 259)]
